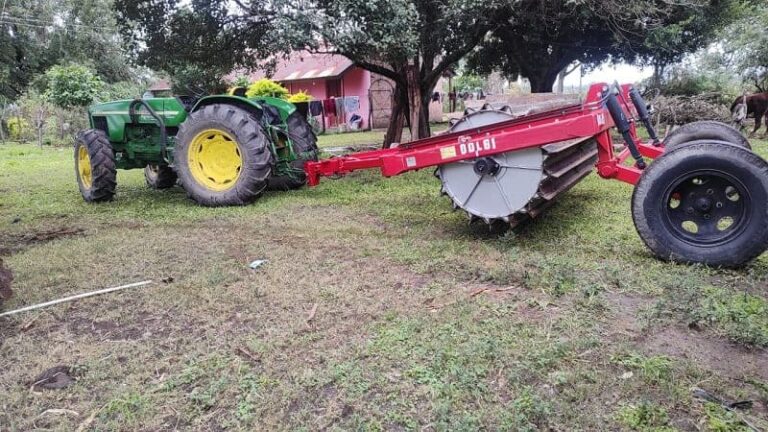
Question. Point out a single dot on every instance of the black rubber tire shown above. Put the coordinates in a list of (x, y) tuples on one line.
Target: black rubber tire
[(253, 147), (304, 146), (650, 212), (705, 130), (103, 167), (160, 176)]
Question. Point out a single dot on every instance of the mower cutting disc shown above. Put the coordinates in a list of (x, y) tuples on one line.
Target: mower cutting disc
[(494, 187), (517, 185)]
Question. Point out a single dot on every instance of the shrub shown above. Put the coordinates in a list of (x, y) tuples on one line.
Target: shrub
[(72, 86), (266, 88), (17, 128), (301, 96)]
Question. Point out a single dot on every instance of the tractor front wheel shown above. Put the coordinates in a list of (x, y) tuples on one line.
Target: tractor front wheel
[(160, 176), (95, 166), (704, 202), (222, 156)]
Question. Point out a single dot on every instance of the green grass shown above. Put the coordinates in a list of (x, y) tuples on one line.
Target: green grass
[(365, 138), (575, 327)]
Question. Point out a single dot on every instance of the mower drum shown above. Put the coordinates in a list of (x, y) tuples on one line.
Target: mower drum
[(513, 186)]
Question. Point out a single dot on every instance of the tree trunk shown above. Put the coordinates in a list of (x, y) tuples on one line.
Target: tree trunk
[(397, 119), (39, 125), (424, 129), (561, 81), (658, 74), (395, 130), (2, 128), (543, 82), (415, 102)]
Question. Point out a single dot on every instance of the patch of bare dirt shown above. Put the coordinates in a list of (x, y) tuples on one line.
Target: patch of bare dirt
[(11, 244), (713, 353), (706, 350), (626, 308), (143, 326), (6, 277), (57, 377)]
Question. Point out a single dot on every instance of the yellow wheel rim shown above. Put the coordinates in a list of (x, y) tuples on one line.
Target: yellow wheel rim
[(214, 160), (84, 167)]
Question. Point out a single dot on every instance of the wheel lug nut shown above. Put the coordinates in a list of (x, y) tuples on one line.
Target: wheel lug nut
[(706, 216), (689, 210), (710, 191), (719, 205)]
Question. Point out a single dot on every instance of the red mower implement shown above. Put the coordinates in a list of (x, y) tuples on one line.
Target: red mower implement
[(703, 199)]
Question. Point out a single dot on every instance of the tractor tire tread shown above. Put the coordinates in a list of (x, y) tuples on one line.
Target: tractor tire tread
[(304, 144), (253, 142), (103, 166)]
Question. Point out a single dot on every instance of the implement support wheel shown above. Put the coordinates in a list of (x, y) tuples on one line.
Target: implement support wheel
[(95, 166), (222, 156), (705, 130), (704, 202)]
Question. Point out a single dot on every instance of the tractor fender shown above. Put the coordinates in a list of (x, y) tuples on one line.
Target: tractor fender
[(256, 106)]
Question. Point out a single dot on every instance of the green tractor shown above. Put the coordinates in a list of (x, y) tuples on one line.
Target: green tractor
[(223, 150)]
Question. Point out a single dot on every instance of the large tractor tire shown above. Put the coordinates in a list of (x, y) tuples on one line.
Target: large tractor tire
[(160, 176), (95, 166), (705, 130), (704, 202), (304, 146), (222, 156)]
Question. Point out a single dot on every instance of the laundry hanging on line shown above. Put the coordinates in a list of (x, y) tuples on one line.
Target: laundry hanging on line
[(339, 101), (329, 107), (315, 108), (352, 104)]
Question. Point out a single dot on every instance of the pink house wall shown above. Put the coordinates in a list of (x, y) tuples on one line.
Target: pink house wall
[(316, 88), (354, 82)]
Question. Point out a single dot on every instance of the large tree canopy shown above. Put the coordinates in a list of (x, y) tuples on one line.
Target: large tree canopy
[(412, 42), (538, 39), (199, 42), (745, 47), (35, 35)]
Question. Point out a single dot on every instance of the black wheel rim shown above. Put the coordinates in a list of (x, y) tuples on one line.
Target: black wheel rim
[(706, 208)]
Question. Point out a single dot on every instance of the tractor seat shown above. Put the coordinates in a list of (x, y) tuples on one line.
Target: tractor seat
[(188, 102)]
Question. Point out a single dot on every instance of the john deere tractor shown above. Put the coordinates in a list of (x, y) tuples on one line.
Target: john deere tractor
[(223, 150)]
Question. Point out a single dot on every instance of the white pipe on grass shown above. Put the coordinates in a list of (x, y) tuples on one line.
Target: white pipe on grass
[(76, 297)]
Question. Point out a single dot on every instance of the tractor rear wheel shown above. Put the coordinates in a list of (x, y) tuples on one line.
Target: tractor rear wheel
[(705, 130), (222, 156), (304, 146), (95, 166), (160, 176), (704, 202)]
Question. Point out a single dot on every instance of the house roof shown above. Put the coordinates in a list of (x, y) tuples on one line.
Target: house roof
[(160, 85), (302, 65)]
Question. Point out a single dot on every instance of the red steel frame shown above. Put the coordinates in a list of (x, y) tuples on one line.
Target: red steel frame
[(589, 119)]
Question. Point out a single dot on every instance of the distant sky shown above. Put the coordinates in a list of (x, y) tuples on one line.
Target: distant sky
[(623, 73)]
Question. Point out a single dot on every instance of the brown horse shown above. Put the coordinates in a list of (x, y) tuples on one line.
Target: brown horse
[(757, 105)]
